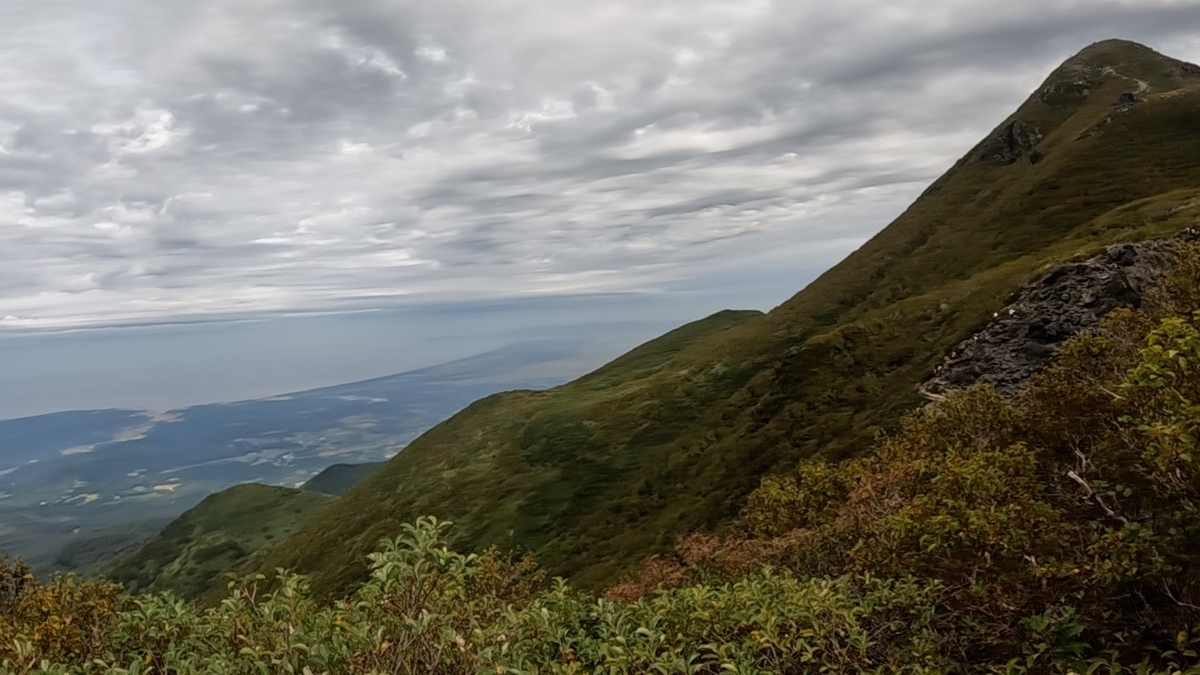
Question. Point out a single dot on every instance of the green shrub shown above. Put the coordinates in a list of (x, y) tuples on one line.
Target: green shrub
[(428, 609)]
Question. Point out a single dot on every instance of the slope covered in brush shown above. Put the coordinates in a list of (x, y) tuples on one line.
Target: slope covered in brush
[(219, 534), (593, 475), (1051, 532)]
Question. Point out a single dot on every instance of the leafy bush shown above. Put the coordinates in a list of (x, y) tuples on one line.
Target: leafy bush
[(428, 609)]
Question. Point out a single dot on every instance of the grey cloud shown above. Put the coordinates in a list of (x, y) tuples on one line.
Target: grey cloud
[(162, 158), (723, 198)]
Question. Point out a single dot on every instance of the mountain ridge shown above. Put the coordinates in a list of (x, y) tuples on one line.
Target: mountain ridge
[(336, 479), (606, 469)]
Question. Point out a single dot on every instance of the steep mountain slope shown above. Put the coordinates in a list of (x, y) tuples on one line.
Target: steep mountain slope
[(595, 474), (339, 478), (220, 534)]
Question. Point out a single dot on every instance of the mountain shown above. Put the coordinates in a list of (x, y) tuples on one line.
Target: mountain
[(221, 533), (339, 478), (593, 475), (224, 532), (78, 488)]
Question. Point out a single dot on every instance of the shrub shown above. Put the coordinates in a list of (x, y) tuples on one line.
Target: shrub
[(1078, 498)]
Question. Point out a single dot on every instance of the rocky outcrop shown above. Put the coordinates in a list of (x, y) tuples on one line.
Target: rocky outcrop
[(1069, 299), (1015, 140), (1072, 83), (1127, 101)]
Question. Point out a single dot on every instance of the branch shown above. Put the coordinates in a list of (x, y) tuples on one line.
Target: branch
[(937, 398), (1084, 462), (1172, 597), (1095, 497)]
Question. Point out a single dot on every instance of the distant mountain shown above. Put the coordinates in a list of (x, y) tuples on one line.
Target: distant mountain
[(593, 475), (77, 488), (338, 478), (221, 533)]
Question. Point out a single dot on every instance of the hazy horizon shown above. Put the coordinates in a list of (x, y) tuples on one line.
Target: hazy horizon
[(178, 364), (221, 200)]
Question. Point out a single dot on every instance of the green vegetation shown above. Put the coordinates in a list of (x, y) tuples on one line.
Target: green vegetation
[(221, 533), (600, 472), (338, 478), (1058, 525), (428, 610), (90, 553), (1052, 533)]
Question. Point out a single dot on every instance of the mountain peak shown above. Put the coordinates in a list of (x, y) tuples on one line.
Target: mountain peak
[(1105, 78), (1119, 54), (1116, 47), (1145, 69)]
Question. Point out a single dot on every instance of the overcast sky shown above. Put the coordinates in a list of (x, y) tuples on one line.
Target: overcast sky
[(179, 157)]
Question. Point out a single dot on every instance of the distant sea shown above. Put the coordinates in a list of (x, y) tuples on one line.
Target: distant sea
[(175, 365)]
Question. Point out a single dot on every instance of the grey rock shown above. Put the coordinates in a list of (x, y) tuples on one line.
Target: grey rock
[(1127, 101), (1068, 299), (1014, 141)]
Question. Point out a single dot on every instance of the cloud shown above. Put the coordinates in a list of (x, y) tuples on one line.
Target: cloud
[(161, 158)]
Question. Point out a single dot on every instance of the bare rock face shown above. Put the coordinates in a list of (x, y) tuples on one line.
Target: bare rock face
[(1015, 140), (1071, 83), (1127, 101), (1071, 298)]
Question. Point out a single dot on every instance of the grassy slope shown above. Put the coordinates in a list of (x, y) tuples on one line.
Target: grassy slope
[(337, 479), (594, 474), (219, 534)]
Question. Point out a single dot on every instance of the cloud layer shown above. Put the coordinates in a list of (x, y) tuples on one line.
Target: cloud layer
[(161, 158)]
